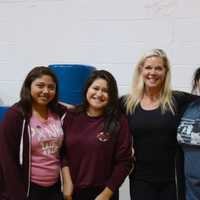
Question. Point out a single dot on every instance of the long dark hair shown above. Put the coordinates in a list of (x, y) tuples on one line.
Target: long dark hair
[(111, 111), (25, 94), (195, 80)]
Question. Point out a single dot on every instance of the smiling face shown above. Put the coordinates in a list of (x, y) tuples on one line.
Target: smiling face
[(43, 90), (153, 73), (97, 97)]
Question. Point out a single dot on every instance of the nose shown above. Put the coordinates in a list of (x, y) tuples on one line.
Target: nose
[(45, 90), (152, 71), (99, 92)]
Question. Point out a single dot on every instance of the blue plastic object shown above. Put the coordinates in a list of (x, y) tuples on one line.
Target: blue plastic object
[(3, 110), (72, 78)]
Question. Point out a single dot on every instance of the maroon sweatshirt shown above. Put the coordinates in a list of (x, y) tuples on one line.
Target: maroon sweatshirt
[(96, 159), (15, 155)]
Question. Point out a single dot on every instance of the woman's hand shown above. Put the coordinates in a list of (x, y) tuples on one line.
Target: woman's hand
[(67, 191), (106, 194), (102, 197), (67, 183)]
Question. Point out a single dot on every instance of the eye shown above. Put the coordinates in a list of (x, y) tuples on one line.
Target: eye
[(96, 88), (40, 85), (52, 87), (148, 67), (159, 68), (105, 90)]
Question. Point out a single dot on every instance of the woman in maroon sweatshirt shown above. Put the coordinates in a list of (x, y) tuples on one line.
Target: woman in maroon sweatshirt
[(31, 137), (98, 143)]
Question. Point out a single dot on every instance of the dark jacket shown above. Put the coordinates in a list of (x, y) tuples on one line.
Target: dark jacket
[(15, 154)]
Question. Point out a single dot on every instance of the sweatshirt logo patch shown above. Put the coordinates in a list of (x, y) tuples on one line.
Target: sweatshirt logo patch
[(103, 137)]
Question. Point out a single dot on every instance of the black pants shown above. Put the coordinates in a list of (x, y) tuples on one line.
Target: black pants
[(179, 162), (49, 193), (91, 194), (141, 190)]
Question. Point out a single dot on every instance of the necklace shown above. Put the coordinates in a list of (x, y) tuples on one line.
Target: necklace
[(93, 114), (150, 105)]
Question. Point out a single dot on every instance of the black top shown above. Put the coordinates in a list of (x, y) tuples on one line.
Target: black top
[(154, 137)]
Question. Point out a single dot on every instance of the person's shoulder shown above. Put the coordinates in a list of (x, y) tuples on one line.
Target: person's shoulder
[(15, 110), (184, 95), (182, 99), (123, 118), (181, 95), (65, 109), (122, 103), (73, 113), (195, 103), (61, 109), (178, 93), (13, 114)]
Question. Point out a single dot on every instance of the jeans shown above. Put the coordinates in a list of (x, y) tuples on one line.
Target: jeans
[(192, 172)]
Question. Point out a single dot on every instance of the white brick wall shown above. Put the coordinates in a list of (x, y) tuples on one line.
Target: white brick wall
[(109, 34)]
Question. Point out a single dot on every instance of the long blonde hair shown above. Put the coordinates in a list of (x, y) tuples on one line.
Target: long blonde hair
[(137, 89)]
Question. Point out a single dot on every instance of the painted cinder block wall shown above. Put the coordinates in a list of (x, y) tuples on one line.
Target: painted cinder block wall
[(108, 34)]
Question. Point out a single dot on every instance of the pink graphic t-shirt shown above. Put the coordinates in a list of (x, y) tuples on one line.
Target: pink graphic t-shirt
[(47, 138)]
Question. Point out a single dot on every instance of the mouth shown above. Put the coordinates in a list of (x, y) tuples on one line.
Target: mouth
[(44, 98), (98, 100), (153, 80)]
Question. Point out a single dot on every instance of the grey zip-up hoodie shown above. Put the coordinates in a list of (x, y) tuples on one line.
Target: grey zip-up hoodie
[(15, 154)]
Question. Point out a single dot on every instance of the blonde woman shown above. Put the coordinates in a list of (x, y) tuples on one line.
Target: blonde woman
[(154, 111)]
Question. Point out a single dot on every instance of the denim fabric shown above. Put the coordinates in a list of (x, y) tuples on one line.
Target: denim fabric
[(192, 172), (189, 128)]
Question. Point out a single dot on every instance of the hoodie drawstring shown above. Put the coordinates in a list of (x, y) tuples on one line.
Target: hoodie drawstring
[(22, 144), (63, 117)]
